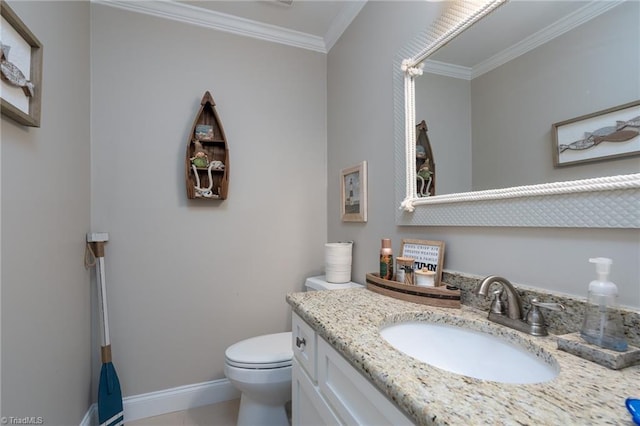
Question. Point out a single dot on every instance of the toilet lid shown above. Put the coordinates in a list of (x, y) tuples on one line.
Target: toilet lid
[(268, 351)]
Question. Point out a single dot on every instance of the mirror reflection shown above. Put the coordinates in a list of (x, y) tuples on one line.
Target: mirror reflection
[(490, 97)]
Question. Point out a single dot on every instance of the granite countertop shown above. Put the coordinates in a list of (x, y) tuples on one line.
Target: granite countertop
[(583, 392)]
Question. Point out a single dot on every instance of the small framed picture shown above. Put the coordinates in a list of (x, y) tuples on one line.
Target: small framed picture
[(21, 70), (426, 254), (353, 183), (602, 135), (204, 132)]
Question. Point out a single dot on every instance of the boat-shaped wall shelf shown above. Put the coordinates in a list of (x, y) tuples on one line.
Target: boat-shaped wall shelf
[(207, 157)]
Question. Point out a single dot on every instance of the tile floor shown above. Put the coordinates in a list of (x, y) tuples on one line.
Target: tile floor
[(221, 414)]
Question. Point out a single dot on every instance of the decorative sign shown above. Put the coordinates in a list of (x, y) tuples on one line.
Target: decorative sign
[(427, 254)]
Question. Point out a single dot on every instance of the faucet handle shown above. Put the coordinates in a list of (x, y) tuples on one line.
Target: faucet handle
[(498, 305), (536, 320), (552, 306)]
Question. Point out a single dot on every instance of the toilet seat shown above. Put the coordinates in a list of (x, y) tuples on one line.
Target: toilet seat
[(261, 352)]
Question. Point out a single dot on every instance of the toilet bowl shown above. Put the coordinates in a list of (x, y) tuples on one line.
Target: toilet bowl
[(260, 368)]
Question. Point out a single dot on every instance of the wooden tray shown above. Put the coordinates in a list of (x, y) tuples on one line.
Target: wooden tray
[(432, 296)]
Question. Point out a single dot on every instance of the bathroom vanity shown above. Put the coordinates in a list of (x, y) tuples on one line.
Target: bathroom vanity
[(344, 372), (326, 388)]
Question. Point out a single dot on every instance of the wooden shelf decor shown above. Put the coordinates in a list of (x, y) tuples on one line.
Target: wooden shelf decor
[(441, 297), (207, 157)]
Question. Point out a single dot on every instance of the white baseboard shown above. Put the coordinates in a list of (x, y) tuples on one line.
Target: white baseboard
[(169, 400), (91, 416)]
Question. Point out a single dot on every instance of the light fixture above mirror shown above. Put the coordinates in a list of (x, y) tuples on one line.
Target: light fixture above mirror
[(610, 201)]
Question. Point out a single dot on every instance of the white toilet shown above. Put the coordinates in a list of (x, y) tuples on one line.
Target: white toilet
[(260, 368)]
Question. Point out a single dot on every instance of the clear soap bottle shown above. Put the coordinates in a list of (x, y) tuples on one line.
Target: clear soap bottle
[(603, 324)]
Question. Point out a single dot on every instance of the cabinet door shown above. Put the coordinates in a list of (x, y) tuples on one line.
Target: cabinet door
[(304, 345), (308, 408), (352, 397)]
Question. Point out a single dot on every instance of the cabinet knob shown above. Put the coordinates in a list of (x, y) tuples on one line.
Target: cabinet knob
[(300, 342)]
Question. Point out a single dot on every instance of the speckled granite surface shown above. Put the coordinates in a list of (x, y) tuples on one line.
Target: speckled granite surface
[(584, 393)]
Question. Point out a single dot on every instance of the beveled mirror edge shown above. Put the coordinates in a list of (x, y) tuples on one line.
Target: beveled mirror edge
[(612, 201)]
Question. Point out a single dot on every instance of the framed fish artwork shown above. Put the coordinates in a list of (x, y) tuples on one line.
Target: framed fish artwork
[(20, 70), (603, 135)]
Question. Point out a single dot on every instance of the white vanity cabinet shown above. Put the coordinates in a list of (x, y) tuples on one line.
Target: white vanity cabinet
[(327, 390)]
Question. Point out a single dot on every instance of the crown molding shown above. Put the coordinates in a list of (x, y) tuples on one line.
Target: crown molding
[(220, 21), (567, 23), (448, 70), (193, 15), (342, 21)]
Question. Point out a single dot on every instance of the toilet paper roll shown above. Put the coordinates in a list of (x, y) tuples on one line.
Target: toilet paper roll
[(336, 277), (338, 249), (337, 268), (338, 259)]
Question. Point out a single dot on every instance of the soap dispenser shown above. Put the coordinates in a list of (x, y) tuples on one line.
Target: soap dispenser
[(602, 324)]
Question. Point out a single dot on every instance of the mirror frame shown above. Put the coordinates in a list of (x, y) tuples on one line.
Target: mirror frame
[(611, 202)]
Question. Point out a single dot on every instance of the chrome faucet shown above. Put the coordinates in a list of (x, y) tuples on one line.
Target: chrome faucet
[(513, 305), (509, 312)]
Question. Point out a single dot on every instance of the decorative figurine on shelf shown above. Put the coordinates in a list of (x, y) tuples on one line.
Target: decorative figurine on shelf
[(200, 159), (425, 176), (200, 191), (216, 165)]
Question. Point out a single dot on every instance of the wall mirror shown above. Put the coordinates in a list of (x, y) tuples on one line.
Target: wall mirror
[(529, 73)]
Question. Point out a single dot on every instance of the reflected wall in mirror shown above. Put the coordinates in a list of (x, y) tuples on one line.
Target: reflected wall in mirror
[(490, 97), (496, 117)]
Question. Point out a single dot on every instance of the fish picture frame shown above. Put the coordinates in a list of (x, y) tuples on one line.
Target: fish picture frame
[(602, 135), (21, 70)]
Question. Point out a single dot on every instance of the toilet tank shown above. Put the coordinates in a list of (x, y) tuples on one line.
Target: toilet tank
[(320, 283)]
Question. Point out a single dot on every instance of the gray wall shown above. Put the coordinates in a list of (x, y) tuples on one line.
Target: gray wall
[(187, 279), (46, 308), (445, 105), (360, 119), (361, 112)]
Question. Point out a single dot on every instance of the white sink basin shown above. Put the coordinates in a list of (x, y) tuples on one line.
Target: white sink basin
[(468, 352)]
